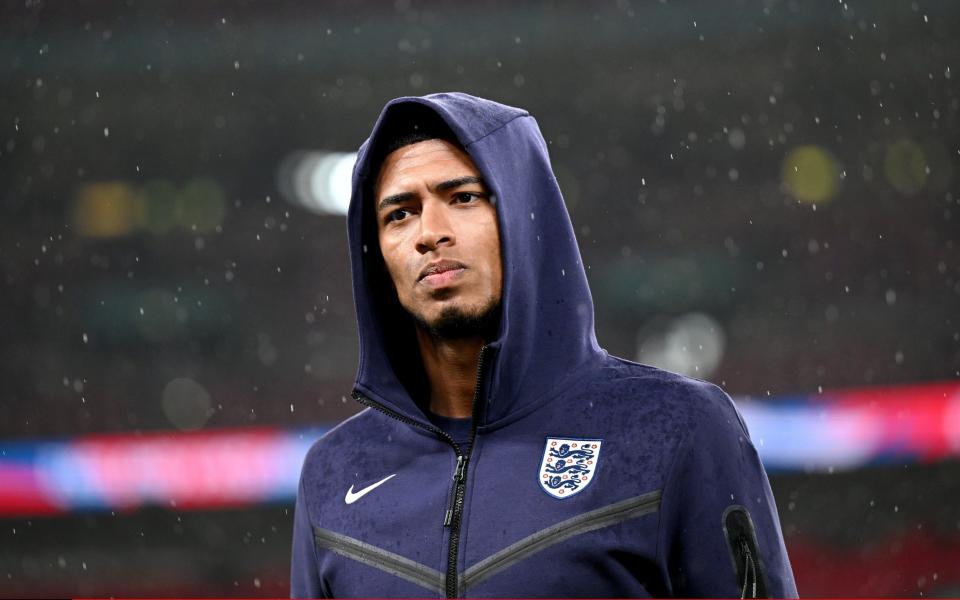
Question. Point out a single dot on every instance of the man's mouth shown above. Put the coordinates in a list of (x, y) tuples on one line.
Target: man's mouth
[(441, 272)]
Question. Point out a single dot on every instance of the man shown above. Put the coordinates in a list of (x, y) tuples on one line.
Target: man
[(503, 452)]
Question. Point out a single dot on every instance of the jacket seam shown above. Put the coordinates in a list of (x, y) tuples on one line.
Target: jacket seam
[(497, 128), (607, 516), (669, 485), (383, 560)]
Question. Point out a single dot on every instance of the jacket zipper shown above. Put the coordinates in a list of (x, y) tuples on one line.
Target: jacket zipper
[(749, 571), (454, 514), (460, 487)]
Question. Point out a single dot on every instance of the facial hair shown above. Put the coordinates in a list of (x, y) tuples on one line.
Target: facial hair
[(454, 323)]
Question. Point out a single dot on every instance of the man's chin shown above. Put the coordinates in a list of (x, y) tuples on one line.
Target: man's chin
[(455, 322)]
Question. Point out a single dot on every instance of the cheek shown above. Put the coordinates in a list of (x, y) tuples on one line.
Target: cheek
[(389, 253)]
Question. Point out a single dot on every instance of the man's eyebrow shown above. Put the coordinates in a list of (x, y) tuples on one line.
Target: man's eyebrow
[(455, 183), (395, 199), (443, 186)]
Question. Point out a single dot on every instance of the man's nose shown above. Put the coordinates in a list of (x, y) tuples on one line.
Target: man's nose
[(435, 228)]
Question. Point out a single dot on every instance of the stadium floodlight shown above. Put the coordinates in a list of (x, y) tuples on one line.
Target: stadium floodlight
[(317, 181), (692, 344)]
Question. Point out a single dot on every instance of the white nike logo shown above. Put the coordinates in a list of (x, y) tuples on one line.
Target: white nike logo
[(352, 497)]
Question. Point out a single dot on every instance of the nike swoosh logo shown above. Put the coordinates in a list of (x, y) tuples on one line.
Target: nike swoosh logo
[(352, 496)]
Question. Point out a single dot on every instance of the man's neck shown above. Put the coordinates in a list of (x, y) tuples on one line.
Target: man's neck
[(451, 368)]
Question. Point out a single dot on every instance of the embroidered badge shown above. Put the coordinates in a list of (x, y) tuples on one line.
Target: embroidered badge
[(568, 466)]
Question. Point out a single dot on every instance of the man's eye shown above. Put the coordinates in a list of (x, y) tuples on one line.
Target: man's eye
[(466, 196), (397, 215)]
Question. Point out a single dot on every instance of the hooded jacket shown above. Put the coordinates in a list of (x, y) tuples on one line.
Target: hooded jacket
[(587, 475)]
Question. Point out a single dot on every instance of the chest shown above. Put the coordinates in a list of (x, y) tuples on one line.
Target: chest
[(533, 515)]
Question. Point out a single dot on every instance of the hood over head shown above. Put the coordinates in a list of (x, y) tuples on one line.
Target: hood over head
[(546, 327)]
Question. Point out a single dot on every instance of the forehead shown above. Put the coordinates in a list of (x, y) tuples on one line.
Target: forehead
[(429, 162)]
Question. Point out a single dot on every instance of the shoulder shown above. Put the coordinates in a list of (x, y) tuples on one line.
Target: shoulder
[(345, 439), (680, 397)]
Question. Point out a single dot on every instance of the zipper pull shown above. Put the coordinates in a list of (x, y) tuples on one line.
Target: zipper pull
[(458, 475), (461, 468)]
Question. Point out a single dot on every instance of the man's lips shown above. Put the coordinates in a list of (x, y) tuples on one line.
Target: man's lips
[(441, 266), (442, 279)]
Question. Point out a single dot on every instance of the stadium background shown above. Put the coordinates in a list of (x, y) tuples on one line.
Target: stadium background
[(765, 194)]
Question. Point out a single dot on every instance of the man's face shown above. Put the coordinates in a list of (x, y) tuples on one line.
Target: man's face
[(439, 237)]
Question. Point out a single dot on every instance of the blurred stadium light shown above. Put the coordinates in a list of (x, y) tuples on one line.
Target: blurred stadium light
[(811, 174), (905, 166), (317, 181), (107, 209), (691, 344), (117, 208)]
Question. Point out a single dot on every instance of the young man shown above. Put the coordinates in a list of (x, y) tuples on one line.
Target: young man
[(504, 453)]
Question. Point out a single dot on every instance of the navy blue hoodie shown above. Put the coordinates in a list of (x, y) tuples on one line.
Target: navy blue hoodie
[(588, 475)]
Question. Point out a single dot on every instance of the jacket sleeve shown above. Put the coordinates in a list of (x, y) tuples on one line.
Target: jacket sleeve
[(720, 532), (304, 580)]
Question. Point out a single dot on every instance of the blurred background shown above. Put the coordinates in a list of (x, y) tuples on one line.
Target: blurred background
[(765, 195)]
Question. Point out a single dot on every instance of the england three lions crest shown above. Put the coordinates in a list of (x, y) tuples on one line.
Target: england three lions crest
[(568, 466)]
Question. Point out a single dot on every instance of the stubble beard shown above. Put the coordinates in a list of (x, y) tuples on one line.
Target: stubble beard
[(456, 323)]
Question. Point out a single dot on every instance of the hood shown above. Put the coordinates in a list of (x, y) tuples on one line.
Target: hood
[(546, 330)]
